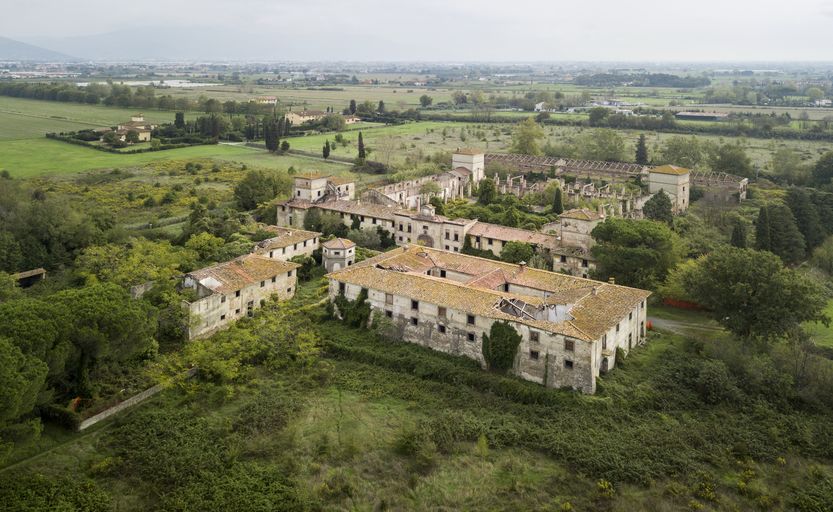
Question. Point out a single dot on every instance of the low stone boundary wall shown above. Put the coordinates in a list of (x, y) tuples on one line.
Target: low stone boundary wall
[(133, 400)]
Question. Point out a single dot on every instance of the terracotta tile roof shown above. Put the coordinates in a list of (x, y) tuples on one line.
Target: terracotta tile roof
[(356, 208), (468, 151), (240, 272), (285, 237), (596, 306), (670, 169), (340, 180), (338, 243), (581, 214), (507, 234)]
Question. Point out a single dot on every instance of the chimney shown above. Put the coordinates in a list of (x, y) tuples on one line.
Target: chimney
[(595, 290), (611, 280), (521, 266)]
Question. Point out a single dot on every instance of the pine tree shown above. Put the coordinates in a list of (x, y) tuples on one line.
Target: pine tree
[(326, 149), (558, 202), (739, 235), (642, 151), (362, 152)]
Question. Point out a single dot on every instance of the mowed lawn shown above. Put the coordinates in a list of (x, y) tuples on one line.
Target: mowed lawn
[(38, 157), (23, 118)]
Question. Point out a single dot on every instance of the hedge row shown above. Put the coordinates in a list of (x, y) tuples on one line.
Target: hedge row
[(162, 147)]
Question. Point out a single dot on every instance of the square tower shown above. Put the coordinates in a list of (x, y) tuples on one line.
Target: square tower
[(471, 159), (674, 181)]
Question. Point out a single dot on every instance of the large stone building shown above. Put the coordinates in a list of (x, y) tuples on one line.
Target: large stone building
[(228, 291), (317, 188), (570, 327), (287, 243)]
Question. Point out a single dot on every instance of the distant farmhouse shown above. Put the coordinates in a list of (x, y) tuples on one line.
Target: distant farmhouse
[(266, 100), (570, 328), (305, 116), (288, 243), (138, 124)]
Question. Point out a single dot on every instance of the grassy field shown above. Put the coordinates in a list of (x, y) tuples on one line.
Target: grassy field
[(822, 334), (40, 157), (24, 118)]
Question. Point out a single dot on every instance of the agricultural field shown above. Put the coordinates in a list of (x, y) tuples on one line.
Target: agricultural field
[(23, 118)]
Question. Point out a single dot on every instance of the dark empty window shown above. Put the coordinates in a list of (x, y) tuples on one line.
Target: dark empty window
[(222, 317), (414, 320), (262, 284), (222, 299), (341, 287), (563, 259), (533, 354), (472, 337), (441, 328), (274, 279), (569, 345), (630, 315), (568, 364), (389, 313), (470, 319), (442, 273), (237, 293), (617, 327), (441, 312), (414, 304), (533, 336)]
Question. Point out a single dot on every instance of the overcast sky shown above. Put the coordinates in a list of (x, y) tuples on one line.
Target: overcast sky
[(453, 30)]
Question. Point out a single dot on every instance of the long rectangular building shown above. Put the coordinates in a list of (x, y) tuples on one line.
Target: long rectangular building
[(570, 327)]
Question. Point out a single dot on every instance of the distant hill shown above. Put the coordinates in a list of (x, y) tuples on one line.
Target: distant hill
[(17, 50)]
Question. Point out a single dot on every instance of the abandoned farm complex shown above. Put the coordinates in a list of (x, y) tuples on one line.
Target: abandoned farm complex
[(570, 327), (435, 292)]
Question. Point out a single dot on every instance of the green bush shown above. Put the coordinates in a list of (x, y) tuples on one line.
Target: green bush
[(500, 346)]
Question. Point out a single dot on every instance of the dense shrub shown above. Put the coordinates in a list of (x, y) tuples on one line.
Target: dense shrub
[(33, 493)]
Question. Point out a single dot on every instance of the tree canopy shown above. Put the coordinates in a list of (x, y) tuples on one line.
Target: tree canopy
[(637, 253), (526, 137), (659, 208), (752, 294)]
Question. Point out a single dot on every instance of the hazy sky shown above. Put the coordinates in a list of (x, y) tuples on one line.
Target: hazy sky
[(442, 30)]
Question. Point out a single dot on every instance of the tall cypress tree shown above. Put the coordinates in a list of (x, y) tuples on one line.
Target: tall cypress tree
[(362, 152), (558, 203), (739, 235), (352, 107), (179, 120), (326, 149), (642, 151), (763, 238), (806, 217)]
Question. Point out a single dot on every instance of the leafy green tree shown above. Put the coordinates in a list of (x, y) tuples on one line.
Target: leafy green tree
[(381, 107), (739, 235), (731, 159), (516, 252), (285, 146), (132, 136), (557, 202), (642, 151), (806, 217), (511, 217), (659, 208), (777, 232), (500, 346), (823, 170), (786, 162), (426, 100), (751, 293), (22, 377), (526, 137), (682, 151), (602, 144), (637, 253), (598, 116), (255, 188), (136, 262), (486, 192), (10, 254), (312, 220)]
